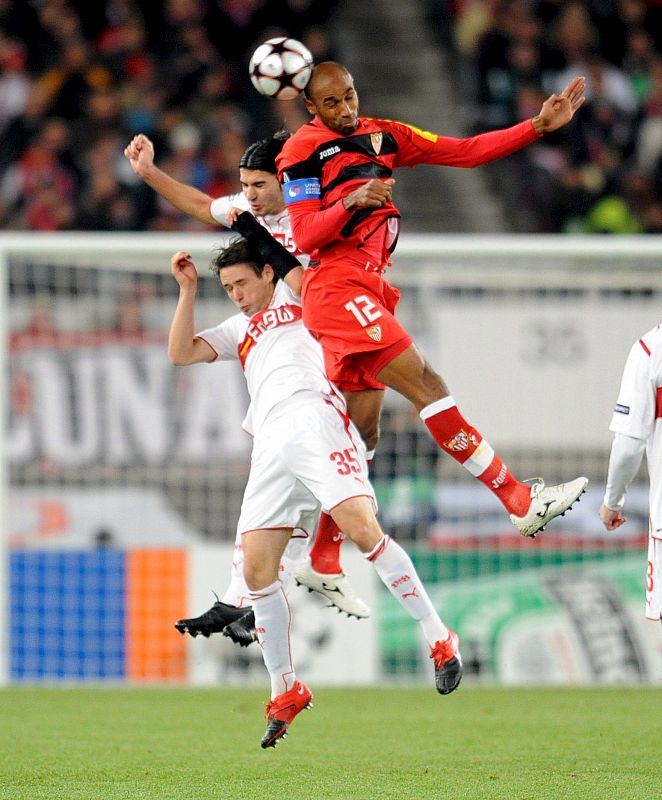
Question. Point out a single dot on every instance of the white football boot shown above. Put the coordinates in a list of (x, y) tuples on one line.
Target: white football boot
[(547, 503), (336, 588)]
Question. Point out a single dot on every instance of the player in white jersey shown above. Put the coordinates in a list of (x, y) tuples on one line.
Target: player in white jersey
[(261, 191), (637, 426), (262, 195), (306, 454)]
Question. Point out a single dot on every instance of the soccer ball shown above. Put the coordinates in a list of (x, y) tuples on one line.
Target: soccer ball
[(281, 68)]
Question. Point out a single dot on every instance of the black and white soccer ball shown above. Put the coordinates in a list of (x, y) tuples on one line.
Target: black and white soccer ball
[(281, 68)]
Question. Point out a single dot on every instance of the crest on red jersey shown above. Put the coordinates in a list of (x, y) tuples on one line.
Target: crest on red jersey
[(374, 332), (376, 139)]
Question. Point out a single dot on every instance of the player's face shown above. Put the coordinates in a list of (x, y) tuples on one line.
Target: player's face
[(262, 190), (334, 102), (249, 292)]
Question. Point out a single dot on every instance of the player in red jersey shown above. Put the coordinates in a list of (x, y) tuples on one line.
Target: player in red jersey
[(336, 172)]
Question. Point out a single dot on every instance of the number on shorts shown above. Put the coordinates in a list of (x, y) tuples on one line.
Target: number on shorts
[(346, 461), (363, 309), (649, 577)]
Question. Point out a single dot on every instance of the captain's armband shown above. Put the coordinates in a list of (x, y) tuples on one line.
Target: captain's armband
[(301, 189)]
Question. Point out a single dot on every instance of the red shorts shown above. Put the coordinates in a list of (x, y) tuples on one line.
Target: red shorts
[(351, 313)]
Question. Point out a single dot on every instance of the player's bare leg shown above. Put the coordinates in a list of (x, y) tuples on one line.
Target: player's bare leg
[(356, 517), (323, 572), (263, 550), (530, 507), (365, 409)]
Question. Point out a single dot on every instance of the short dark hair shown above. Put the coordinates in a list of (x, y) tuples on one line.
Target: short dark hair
[(239, 251), (262, 154)]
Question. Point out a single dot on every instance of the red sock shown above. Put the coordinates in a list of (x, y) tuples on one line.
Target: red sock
[(464, 443), (325, 552)]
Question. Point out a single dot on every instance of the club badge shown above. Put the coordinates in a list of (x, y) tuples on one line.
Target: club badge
[(374, 332), (376, 140), (460, 441)]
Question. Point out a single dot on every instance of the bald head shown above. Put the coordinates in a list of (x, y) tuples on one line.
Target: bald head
[(323, 73), (331, 97)]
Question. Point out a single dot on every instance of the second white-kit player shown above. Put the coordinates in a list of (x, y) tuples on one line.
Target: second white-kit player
[(307, 455), (262, 196), (637, 426)]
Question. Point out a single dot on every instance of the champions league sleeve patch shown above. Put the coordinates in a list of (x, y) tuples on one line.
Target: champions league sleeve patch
[(620, 409), (301, 189)]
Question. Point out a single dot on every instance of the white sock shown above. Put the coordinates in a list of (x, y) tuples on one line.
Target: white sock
[(272, 623), (398, 574), (237, 593), (290, 559)]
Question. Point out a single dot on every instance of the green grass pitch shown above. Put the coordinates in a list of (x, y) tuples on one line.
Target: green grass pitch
[(372, 744)]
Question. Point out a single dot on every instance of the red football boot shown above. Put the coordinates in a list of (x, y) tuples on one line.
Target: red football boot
[(282, 710), (447, 664)]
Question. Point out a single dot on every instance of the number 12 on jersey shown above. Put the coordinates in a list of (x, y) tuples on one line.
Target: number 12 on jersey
[(363, 309)]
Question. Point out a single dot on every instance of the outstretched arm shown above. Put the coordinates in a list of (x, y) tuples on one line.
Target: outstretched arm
[(559, 109), (285, 265), (421, 147), (183, 345), (185, 198)]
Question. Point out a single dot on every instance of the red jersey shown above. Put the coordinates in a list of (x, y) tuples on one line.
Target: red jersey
[(319, 167)]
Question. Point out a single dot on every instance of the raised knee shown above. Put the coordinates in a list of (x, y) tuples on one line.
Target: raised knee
[(365, 535), (255, 576)]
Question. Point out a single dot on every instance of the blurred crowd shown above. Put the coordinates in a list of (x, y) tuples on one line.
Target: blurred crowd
[(78, 79), (602, 174)]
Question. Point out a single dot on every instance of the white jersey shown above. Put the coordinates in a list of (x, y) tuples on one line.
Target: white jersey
[(638, 412), (278, 225), (278, 355)]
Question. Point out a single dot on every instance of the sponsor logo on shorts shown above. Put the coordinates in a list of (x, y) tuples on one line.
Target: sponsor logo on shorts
[(374, 332), (376, 140), (460, 441), (620, 409)]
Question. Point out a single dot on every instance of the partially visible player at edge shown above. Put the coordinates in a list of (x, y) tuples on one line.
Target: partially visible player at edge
[(336, 173), (306, 454), (637, 426), (262, 195)]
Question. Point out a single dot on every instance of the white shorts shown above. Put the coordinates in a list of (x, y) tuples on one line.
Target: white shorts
[(307, 457), (654, 579)]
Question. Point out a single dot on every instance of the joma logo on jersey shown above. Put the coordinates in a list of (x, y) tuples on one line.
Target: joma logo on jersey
[(330, 151)]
